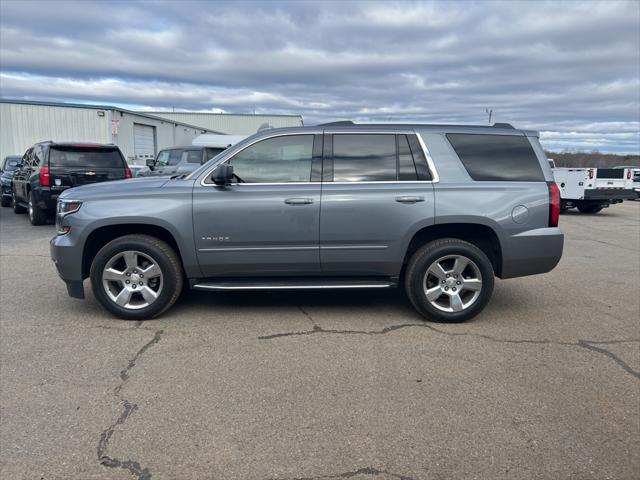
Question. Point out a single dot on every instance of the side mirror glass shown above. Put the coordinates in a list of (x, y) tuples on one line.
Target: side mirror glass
[(223, 174), (151, 162)]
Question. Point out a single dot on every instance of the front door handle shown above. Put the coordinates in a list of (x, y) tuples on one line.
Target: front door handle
[(298, 201), (409, 199)]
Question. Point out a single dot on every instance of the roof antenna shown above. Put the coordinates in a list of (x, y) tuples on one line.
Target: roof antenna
[(489, 112)]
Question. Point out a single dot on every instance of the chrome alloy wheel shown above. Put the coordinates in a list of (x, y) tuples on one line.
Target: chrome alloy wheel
[(452, 283), (132, 279), (30, 205)]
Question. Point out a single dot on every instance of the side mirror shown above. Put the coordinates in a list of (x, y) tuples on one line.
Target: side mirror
[(151, 162), (223, 174)]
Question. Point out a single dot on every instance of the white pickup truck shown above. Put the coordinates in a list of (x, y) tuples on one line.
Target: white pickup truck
[(592, 189)]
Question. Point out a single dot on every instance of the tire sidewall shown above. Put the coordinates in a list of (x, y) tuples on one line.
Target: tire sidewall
[(169, 280), (424, 259)]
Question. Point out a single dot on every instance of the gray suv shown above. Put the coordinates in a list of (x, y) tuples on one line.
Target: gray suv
[(437, 209)]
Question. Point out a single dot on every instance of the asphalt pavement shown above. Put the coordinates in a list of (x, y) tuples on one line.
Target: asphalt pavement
[(544, 384)]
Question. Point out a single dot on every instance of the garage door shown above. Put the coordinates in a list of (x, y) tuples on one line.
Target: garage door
[(144, 141)]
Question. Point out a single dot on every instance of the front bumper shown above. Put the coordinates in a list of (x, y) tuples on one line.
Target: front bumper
[(532, 252), (68, 262)]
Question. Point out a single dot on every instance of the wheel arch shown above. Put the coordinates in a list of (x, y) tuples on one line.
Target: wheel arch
[(100, 236), (481, 235)]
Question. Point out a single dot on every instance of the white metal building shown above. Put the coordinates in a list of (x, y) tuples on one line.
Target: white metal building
[(139, 135), (232, 123)]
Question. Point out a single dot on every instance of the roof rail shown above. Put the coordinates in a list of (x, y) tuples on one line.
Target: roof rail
[(502, 125), (339, 123)]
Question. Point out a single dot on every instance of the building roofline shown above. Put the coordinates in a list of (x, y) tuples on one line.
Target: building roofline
[(292, 115), (104, 107)]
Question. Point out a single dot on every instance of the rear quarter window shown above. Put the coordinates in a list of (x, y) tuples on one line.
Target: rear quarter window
[(85, 157), (497, 157)]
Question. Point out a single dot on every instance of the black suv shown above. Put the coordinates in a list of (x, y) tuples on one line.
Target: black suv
[(49, 168), (6, 175), (178, 160)]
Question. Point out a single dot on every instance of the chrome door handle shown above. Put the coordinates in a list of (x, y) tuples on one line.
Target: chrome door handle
[(298, 201), (409, 199)]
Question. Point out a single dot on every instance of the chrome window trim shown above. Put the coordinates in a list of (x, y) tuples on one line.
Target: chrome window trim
[(435, 178)]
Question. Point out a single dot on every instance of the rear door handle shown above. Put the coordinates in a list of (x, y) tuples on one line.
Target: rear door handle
[(298, 201), (409, 199)]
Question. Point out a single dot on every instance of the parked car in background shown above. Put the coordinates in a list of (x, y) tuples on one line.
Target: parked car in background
[(7, 168), (178, 160), (592, 189), (438, 209), (49, 168), (635, 178), (135, 169)]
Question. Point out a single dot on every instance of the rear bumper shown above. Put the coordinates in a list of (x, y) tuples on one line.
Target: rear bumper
[(68, 262), (46, 199), (532, 252), (610, 194)]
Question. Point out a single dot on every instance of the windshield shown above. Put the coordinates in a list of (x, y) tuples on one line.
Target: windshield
[(10, 163), (85, 157)]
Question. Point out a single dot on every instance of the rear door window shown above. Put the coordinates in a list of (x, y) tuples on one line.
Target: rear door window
[(497, 157), (364, 158), (85, 157)]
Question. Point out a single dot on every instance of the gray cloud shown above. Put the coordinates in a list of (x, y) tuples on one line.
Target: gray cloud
[(568, 69)]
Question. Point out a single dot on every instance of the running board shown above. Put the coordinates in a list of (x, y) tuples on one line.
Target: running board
[(293, 284)]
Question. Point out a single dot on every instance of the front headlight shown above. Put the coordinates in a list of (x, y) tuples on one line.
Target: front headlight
[(64, 208)]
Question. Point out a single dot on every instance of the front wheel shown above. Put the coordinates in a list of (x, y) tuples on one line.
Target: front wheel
[(136, 277), (449, 280)]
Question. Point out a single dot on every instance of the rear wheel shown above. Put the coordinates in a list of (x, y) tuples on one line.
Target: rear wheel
[(449, 280), (17, 208), (6, 202), (136, 277), (589, 208), (37, 216)]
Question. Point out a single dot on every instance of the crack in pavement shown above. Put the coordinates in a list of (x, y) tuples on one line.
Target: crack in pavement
[(132, 466), (361, 471), (587, 344)]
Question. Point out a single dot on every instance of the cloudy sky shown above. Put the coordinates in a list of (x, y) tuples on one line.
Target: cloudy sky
[(568, 69)]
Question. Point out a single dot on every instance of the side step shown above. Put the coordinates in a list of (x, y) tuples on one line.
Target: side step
[(300, 283)]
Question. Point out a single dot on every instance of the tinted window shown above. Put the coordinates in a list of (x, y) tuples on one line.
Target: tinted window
[(192, 156), (212, 152), (275, 160), (497, 157), (364, 158), (406, 165), (88, 157), (174, 157)]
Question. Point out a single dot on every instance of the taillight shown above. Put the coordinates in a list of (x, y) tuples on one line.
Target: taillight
[(554, 204), (127, 173), (590, 174), (45, 178)]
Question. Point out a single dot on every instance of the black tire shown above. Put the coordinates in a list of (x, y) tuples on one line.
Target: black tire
[(166, 259), (37, 216), (17, 208), (6, 202), (422, 260), (589, 209)]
